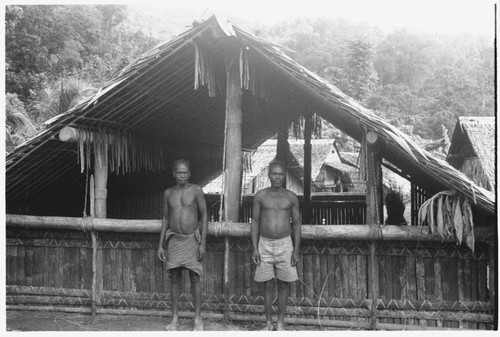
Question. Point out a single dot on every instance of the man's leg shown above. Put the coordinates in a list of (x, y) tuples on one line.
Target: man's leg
[(283, 290), (196, 292), (268, 300), (175, 281)]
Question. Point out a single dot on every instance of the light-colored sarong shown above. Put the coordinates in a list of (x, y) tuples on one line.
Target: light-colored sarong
[(275, 260), (182, 250)]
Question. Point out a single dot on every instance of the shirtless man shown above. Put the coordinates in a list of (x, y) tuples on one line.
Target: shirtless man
[(276, 240), (184, 232)]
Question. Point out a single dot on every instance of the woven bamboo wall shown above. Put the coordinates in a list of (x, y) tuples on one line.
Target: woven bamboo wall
[(426, 284)]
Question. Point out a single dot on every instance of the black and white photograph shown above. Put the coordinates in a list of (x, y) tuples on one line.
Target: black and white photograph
[(197, 165)]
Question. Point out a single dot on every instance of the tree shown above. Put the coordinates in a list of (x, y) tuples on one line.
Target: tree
[(60, 97), (360, 75), (405, 58), (18, 126), (46, 43)]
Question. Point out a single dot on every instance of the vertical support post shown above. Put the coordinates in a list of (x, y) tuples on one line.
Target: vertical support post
[(99, 211), (282, 146), (232, 186), (493, 279), (374, 216), (94, 248), (306, 206), (101, 182)]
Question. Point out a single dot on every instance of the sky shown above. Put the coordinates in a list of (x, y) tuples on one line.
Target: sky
[(424, 15)]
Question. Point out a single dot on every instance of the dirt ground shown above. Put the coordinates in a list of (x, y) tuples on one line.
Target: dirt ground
[(61, 321)]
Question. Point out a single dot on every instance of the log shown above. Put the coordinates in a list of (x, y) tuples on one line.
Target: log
[(371, 138), (188, 314), (237, 229), (68, 134)]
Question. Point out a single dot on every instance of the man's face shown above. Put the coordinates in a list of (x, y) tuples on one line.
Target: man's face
[(276, 176), (181, 173)]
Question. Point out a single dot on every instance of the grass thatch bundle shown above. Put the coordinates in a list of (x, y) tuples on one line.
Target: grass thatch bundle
[(449, 213)]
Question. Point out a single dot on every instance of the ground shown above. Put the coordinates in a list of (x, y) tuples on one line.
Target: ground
[(61, 321)]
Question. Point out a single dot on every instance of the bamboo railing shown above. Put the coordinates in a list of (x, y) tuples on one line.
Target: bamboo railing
[(332, 290)]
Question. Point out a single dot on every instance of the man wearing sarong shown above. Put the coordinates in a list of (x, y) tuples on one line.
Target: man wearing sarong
[(276, 235), (183, 233)]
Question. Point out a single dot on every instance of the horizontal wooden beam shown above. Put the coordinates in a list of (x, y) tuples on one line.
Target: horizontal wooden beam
[(237, 229)]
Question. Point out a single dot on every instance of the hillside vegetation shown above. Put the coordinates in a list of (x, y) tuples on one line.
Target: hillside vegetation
[(55, 55)]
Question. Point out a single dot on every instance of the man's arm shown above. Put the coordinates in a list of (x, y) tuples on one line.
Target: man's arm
[(296, 229), (255, 227), (203, 214), (165, 224)]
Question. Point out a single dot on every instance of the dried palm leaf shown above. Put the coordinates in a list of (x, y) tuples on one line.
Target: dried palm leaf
[(440, 216), (458, 221)]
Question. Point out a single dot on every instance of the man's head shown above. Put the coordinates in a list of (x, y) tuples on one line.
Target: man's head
[(277, 173), (182, 171)]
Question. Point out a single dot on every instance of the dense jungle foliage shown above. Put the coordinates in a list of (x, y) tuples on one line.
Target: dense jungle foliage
[(55, 55)]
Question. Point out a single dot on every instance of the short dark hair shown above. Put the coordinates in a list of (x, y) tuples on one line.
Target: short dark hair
[(181, 161), (276, 162)]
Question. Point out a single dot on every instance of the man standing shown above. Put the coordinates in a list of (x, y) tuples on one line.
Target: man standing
[(184, 232), (276, 240)]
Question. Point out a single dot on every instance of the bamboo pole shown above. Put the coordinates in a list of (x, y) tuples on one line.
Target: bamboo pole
[(234, 317), (236, 229)]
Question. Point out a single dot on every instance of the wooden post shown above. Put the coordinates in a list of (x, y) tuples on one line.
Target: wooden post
[(232, 186), (493, 279), (94, 249), (282, 146), (306, 206), (101, 181), (374, 214), (99, 211)]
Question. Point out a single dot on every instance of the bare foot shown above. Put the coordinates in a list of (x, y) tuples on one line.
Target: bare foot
[(173, 325), (269, 326), (198, 324), (280, 326)]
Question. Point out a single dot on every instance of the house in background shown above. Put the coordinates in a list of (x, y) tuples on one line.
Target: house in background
[(337, 172), (326, 163), (255, 172), (472, 150)]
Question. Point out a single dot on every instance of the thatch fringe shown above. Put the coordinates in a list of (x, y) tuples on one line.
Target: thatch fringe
[(125, 152), (204, 73), (472, 168)]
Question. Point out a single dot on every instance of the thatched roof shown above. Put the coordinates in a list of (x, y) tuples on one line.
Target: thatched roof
[(475, 137), (170, 102)]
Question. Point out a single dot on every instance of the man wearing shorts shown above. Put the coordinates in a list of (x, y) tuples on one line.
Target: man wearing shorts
[(184, 233), (276, 235)]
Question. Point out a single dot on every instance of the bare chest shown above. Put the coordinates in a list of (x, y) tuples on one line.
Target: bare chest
[(277, 202), (181, 199)]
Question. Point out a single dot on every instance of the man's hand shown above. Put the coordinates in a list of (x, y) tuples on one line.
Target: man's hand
[(295, 258), (161, 253), (201, 252), (256, 257)]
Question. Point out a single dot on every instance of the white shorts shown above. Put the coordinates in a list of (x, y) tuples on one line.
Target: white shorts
[(275, 260)]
